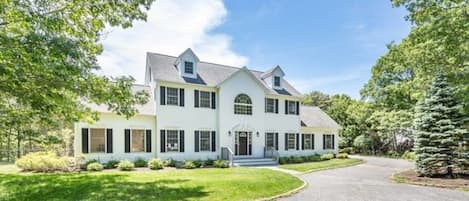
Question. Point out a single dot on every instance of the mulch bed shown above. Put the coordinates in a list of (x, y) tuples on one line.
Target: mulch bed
[(409, 176)]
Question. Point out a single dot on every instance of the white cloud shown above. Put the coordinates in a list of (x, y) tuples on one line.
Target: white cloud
[(171, 27)]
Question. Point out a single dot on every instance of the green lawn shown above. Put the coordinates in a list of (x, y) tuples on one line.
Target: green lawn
[(322, 165), (198, 184)]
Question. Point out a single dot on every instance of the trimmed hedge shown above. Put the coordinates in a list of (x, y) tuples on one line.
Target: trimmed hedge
[(46, 162), (170, 163), (221, 164), (188, 165), (140, 162), (126, 165), (342, 156), (155, 164), (303, 159), (327, 156), (94, 167), (111, 164)]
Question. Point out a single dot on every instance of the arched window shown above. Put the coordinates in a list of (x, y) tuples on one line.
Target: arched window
[(243, 104)]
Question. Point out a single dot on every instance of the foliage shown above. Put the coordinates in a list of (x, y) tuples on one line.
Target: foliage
[(347, 150), (91, 161), (362, 143), (327, 156), (317, 98), (140, 162), (111, 164), (188, 165), (322, 165), (155, 164), (170, 163), (198, 163), (125, 165), (45, 162), (221, 164), (408, 155), (342, 156), (438, 129), (94, 167), (299, 159), (209, 162)]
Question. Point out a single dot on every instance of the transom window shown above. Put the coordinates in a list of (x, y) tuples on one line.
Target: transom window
[(204, 99), (291, 141), (172, 141), (270, 105), (97, 140), (172, 96), (243, 105), (205, 141), (276, 81), (308, 141), (291, 107), (188, 67), (138, 140), (328, 141)]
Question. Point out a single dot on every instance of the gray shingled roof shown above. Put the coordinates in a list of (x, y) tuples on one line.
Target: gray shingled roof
[(162, 67), (146, 109), (315, 117)]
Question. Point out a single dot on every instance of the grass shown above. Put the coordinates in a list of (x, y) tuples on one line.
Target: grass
[(410, 177), (322, 165), (197, 184)]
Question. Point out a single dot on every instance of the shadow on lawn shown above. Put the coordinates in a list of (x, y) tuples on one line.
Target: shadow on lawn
[(93, 187)]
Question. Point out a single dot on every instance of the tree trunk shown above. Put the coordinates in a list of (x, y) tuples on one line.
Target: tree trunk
[(18, 144), (9, 145)]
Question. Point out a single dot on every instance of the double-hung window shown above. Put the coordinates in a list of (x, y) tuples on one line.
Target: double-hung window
[(291, 137), (205, 141), (291, 107), (138, 140), (172, 96), (270, 140), (308, 141), (205, 99), (172, 140), (97, 140), (328, 141), (270, 105)]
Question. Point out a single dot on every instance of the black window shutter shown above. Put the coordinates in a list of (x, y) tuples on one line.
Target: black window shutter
[(265, 104), (181, 97), (286, 141), (127, 140), (181, 141), (196, 98), (297, 141), (214, 103), (312, 141), (323, 141), (214, 142), (276, 141), (286, 106), (333, 142), (84, 140), (196, 140), (302, 142), (162, 95), (297, 107), (276, 106), (109, 140), (148, 140), (162, 141)]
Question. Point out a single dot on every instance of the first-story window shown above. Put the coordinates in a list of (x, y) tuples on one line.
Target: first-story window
[(308, 141), (205, 141), (291, 141), (138, 140), (97, 140), (172, 141), (270, 140), (172, 96), (328, 141)]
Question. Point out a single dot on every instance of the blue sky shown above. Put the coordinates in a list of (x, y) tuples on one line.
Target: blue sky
[(328, 46)]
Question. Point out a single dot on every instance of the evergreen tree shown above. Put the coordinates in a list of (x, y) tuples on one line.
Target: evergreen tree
[(438, 131)]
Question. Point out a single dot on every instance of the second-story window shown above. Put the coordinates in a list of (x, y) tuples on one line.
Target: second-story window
[(205, 99), (271, 105), (188, 67), (292, 107), (243, 104), (276, 81), (172, 96)]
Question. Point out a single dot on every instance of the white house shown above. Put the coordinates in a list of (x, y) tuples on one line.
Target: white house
[(197, 109)]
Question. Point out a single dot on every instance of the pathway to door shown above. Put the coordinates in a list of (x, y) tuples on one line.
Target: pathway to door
[(370, 181)]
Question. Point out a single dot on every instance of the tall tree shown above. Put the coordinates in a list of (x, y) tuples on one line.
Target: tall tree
[(439, 134), (317, 98)]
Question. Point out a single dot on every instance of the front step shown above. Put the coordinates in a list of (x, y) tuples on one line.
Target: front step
[(254, 162)]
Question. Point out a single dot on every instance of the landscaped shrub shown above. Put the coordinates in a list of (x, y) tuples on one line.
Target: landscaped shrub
[(155, 164), (170, 163), (347, 150), (188, 165), (297, 159), (208, 162), (327, 156), (126, 165), (45, 162), (221, 164), (282, 160), (409, 155), (140, 162), (111, 164), (314, 158), (342, 156), (94, 167), (198, 163), (91, 161)]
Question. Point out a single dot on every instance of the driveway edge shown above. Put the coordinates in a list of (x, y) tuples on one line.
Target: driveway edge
[(289, 193)]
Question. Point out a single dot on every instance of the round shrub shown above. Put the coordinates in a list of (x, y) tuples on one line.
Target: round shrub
[(91, 161), (221, 164), (170, 163), (347, 150), (111, 164), (188, 165), (208, 162), (44, 162), (140, 162), (126, 165), (94, 167), (155, 164), (342, 156), (327, 156)]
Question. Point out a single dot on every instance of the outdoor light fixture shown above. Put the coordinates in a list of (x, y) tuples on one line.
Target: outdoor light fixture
[(229, 133), (257, 133)]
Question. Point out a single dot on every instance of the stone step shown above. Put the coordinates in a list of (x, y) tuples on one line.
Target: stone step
[(248, 160), (254, 162)]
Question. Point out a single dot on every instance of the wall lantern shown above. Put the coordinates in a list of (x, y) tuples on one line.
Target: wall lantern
[(257, 133), (229, 133)]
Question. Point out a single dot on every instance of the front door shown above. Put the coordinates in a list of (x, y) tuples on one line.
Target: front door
[(243, 143)]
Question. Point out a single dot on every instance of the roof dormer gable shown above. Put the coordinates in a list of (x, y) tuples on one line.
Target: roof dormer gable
[(274, 77), (187, 63)]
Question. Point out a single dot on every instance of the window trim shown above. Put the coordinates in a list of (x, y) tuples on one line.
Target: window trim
[(312, 141), (294, 141), (144, 140), (273, 139), (275, 82), (209, 141), (192, 67), (273, 105), (166, 141), (89, 141), (177, 97), (294, 107), (247, 105), (209, 99), (332, 142)]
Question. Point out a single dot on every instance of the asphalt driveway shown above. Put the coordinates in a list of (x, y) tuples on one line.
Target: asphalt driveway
[(370, 182)]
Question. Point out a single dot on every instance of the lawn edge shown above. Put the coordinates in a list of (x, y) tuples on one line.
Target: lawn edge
[(395, 178), (329, 168), (288, 193)]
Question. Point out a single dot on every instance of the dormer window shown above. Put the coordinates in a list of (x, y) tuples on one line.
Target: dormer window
[(188, 67), (276, 81)]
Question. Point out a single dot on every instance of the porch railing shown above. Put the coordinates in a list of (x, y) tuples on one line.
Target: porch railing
[(227, 154)]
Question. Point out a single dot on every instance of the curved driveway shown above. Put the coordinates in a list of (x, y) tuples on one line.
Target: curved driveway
[(370, 182)]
